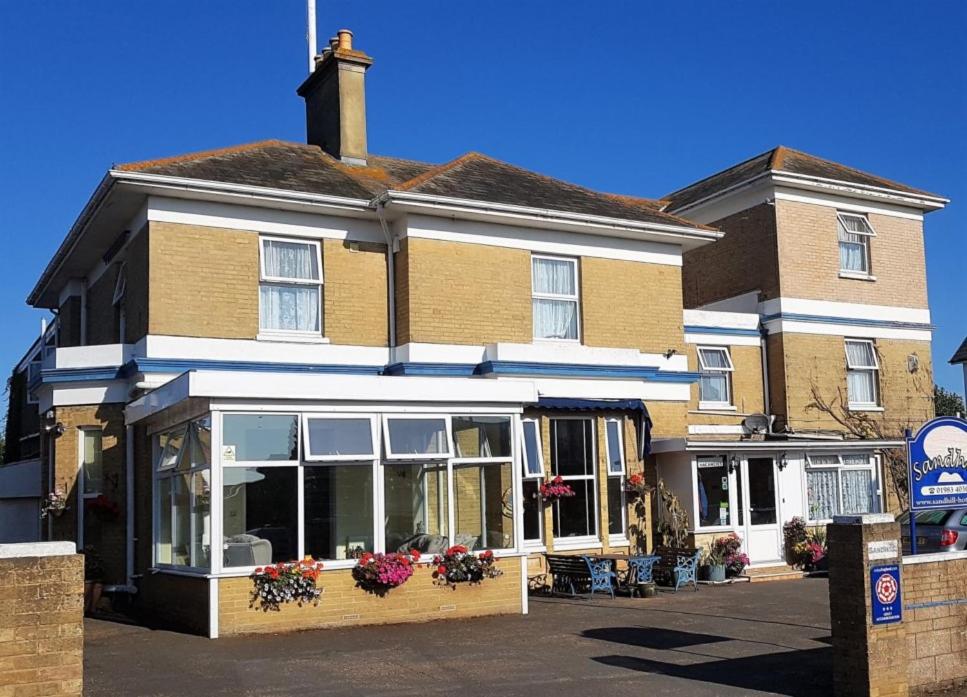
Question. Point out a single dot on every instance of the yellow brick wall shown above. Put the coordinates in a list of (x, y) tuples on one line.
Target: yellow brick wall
[(354, 294), (629, 304), (746, 386), (669, 419), (809, 258), (820, 361), (455, 293), (342, 604)]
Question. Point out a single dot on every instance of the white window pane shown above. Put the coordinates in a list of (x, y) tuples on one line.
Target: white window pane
[(852, 257), (260, 511), (824, 459), (713, 388), (855, 224), (415, 507), (200, 483), (615, 456), (532, 448), (822, 494), (93, 465), (856, 459), (555, 319), (293, 260), (418, 436), (478, 506), (289, 308), (857, 491), (170, 445), (335, 437), (481, 436), (180, 520), (259, 437), (338, 511), (554, 276), (860, 386), (860, 354), (714, 359)]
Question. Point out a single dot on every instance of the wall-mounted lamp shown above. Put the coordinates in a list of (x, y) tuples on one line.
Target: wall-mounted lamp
[(670, 352), (733, 464), (782, 462)]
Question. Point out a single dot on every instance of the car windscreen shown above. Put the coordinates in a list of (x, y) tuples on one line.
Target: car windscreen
[(938, 517)]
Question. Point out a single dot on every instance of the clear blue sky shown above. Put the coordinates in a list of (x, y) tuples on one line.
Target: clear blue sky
[(631, 97)]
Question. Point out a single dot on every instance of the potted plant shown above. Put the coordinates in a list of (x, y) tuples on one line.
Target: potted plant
[(93, 579), (54, 503), (714, 563), (733, 557), (459, 565), (379, 573), (293, 582)]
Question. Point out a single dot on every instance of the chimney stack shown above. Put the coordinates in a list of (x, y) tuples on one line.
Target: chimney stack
[(335, 95)]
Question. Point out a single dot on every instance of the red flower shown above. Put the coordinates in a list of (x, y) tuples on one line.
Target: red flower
[(415, 553), (258, 569), (442, 570), (487, 554)]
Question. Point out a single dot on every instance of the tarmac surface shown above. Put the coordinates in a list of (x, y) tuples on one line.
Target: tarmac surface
[(741, 639)]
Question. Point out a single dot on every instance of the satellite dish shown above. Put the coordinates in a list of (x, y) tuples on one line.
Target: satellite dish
[(756, 423)]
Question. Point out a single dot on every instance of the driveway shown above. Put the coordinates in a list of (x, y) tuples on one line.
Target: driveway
[(743, 639)]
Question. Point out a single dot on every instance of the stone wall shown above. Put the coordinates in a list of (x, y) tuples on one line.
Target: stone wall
[(41, 619)]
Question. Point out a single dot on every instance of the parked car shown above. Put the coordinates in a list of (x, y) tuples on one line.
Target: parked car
[(942, 530)]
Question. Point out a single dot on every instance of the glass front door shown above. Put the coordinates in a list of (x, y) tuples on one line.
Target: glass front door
[(759, 509)]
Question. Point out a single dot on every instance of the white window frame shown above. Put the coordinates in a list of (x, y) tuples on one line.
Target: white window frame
[(120, 285), (528, 473), (618, 423), (873, 369), (592, 540), (621, 538), (261, 463), (866, 236), (575, 298), (493, 458), (839, 467), (727, 371), (265, 279), (388, 444), (363, 457)]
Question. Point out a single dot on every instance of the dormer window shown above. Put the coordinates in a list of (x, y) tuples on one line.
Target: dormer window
[(290, 292), (555, 298), (854, 244)]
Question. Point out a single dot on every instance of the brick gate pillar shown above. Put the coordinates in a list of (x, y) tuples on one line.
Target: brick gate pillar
[(868, 660)]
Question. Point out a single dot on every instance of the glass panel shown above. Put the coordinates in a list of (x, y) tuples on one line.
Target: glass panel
[(856, 459), (260, 514), (713, 359), (482, 506), (289, 308), (93, 464), (163, 541), (854, 224), (857, 491), (532, 448), (201, 442), (554, 276), (572, 447), (338, 511), (852, 255), (418, 436), (181, 521), (616, 506), (333, 437), (713, 492), (555, 319), (200, 519), (860, 354), (824, 459), (737, 478), (415, 507), (574, 515), (481, 436), (822, 494), (533, 512), (860, 386), (260, 437), (170, 445), (713, 388), (291, 260), (616, 462), (762, 491)]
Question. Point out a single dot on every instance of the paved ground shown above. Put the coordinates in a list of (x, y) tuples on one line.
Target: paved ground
[(744, 639)]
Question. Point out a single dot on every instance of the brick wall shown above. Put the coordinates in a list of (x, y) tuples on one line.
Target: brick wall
[(41, 621), (649, 297), (820, 360), (174, 602), (342, 604), (69, 322), (455, 293), (355, 293), (935, 600), (809, 258), (746, 385), (745, 259)]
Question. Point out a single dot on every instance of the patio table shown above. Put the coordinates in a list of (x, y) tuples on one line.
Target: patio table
[(630, 575)]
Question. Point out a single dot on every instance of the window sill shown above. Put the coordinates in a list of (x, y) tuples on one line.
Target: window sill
[(618, 541), (853, 276), (713, 406), (864, 407), (292, 338), (568, 544)]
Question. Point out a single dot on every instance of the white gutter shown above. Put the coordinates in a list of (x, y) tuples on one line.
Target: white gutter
[(545, 214), (390, 277)]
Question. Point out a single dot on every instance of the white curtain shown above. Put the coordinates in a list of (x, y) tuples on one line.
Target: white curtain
[(554, 277), (291, 260), (857, 491), (860, 354), (714, 359), (822, 494), (290, 308), (555, 319), (853, 236), (713, 387), (859, 384)]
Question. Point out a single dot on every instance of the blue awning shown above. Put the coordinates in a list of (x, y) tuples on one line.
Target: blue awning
[(635, 405)]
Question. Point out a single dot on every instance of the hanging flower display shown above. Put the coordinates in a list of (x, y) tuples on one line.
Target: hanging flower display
[(292, 582), (379, 573), (459, 565), (54, 503), (636, 485), (555, 489)]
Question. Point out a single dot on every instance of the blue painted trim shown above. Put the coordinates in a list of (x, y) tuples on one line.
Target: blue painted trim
[(584, 371), (725, 331), (178, 365), (857, 321), (432, 369), (55, 375), (935, 603)]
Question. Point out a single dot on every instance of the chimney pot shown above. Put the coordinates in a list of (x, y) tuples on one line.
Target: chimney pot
[(345, 39), (333, 43)]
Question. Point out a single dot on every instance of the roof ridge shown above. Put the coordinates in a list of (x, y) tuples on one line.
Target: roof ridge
[(439, 169), (201, 154), (778, 157), (402, 159)]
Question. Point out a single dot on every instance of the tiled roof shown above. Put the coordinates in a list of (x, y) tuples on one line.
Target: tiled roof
[(306, 168), (781, 159), (961, 355)]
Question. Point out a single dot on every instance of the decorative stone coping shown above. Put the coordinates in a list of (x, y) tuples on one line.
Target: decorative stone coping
[(936, 556), (37, 549), (864, 519)]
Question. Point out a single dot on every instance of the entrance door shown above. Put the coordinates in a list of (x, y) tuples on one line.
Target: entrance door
[(760, 510)]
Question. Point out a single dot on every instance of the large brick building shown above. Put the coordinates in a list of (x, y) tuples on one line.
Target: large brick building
[(279, 349)]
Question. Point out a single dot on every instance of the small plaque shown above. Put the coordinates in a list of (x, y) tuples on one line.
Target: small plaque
[(228, 453), (886, 549), (887, 598)]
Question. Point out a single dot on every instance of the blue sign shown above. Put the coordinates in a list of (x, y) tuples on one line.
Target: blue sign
[(937, 460), (885, 587)]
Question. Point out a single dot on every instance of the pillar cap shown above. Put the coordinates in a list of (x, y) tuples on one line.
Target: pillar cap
[(864, 519)]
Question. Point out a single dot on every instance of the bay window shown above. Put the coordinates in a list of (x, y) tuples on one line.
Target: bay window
[(483, 482), (573, 459), (841, 485), (290, 289), (862, 373), (555, 297), (855, 234)]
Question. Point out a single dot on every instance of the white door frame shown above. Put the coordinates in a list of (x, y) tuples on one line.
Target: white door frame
[(747, 527)]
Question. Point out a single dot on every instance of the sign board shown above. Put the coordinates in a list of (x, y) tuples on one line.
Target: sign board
[(937, 462), (885, 588), (886, 549)]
